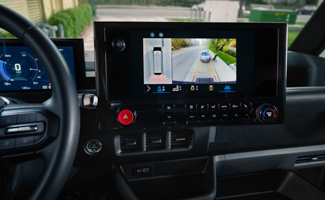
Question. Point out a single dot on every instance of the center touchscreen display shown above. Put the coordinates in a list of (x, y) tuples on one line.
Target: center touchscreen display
[(189, 61)]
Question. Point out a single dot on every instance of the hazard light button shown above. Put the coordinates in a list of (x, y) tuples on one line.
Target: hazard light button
[(125, 117)]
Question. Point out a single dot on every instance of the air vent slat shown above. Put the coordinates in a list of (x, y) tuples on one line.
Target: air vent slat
[(130, 144), (313, 158), (155, 142), (180, 140)]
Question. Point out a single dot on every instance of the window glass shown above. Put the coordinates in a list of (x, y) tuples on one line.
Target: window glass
[(75, 17)]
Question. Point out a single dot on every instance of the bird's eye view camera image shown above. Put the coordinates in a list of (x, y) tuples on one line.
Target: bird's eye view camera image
[(189, 60)]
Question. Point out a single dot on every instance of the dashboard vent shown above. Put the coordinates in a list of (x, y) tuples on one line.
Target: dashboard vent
[(155, 142), (130, 144), (304, 159), (180, 140)]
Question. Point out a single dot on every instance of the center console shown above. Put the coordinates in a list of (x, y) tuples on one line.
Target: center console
[(191, 74), (170, 95)]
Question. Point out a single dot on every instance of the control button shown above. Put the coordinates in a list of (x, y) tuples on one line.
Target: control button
[(193, 88), (24, 141), (142, 170), (180, 108), (224, 107), (169, 117), (26, 117), (225, 116), (236, 116), (266, 113), (168, 108), (8, 119), (269, 114), (247, 115), (149, 109), (7, 143), (125, 117), (213, 116), (213, 107), (89, 101), (40, 128), (27, 128), (191, 117), (246, 106), (94, 146), (118, 44), (235, 106), (39, 138), (180, 119), (203, 108), (249, 120), (40, 117), (12, 130), (203, 118), (169, 123), (190, 108)]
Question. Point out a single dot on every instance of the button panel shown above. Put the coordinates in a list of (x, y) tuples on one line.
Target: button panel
[(197, 114), (20, 130), (207, 113)]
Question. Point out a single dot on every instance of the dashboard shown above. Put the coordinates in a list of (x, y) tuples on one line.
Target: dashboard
[(181, 110)]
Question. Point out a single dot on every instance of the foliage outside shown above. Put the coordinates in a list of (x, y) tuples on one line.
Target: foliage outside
[(185, 3), (227, 58), (74, 20), (291, 37), (221, 47), (185, 20), (6, 34), (180, 43)]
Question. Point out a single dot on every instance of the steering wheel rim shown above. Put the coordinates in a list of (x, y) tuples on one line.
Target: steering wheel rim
[(60, 153)]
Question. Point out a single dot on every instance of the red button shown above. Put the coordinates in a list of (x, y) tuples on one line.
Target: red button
[(125, 117)]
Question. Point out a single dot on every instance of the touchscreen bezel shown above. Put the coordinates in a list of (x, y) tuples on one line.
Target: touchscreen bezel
[(115, 65)]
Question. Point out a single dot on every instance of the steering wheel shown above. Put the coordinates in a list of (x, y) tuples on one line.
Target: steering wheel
[(61, 112)]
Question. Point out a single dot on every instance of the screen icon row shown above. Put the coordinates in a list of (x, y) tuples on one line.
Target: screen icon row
[(186, 88)]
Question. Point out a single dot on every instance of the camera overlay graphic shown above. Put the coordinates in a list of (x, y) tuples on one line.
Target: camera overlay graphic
[(189, 60)]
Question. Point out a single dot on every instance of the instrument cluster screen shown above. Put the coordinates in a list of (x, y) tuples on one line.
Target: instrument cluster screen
[(20, 69)]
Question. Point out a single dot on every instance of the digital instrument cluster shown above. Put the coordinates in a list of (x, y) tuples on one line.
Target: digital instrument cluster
[(21, 70)]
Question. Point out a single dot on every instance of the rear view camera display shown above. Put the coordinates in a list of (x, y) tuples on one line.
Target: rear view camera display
[(189, 60)]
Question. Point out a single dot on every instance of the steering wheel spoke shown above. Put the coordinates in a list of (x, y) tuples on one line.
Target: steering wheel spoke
[(26, 128)]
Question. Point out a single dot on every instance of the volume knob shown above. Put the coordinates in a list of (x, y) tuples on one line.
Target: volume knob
[(267, 113)]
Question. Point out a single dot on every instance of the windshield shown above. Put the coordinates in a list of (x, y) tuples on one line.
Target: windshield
[(71, 18)]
